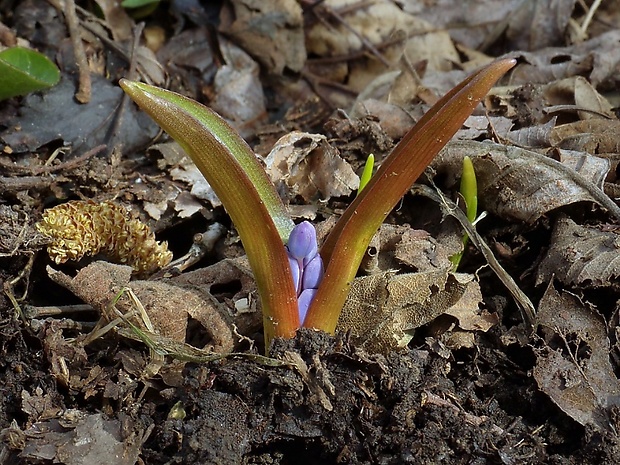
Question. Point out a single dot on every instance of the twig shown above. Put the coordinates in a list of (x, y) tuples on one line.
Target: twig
[(589, 16), (68, 165), (131, 74), (526, 307), (84, 84)]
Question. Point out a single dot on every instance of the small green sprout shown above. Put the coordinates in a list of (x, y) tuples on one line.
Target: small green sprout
[(367, 172), (261, 219), (469, 192)]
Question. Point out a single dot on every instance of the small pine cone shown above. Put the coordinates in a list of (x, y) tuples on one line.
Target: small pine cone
[(79, 228)]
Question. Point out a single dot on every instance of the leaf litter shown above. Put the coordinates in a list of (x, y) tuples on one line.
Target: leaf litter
[(433, 366)]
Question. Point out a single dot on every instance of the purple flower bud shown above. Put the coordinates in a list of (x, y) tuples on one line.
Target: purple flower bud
[(296, 272), (312, 273), (302, 242), (303, 303)]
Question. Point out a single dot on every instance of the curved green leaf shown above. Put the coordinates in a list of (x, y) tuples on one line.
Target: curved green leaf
[(23, 71), (241, 183)]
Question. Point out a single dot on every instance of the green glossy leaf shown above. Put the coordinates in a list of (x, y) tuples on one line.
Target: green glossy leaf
[(139, 9), (346, 244), (241, 183), (23, 71), (137, 3)]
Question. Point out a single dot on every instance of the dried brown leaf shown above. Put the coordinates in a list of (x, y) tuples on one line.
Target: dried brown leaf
[(573, 367), (239, 96), (519, 184), (306, 165), (582, 256), (272, 32), (592, 136), (382, 310), (396, 245), (169, 306), (468, 313)]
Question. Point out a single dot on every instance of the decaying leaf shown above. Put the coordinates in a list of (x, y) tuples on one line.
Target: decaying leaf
[(77, 438), (518, 184), (592, 136), (306, 165), (86, 228), (76, 124), (272, 32), (382, 310), (239, 94), (396, 245), (168, 306), (468, 313), (588, 257), (182, 168), (573, 367)]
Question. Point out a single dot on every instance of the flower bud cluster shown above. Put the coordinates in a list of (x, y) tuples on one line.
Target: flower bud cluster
[(306, 265)]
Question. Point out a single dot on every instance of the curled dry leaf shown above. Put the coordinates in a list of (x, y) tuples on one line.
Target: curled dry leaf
[(518, 184), (573, 366), (537, 136), (382, 310), (169, 306), (305, 164), (579, 92), (582, 256)]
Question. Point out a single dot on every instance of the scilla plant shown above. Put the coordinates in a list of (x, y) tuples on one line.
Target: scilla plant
[(289, 269)]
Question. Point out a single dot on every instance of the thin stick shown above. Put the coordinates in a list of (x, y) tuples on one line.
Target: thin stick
[(73, 24), (526, 307)]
